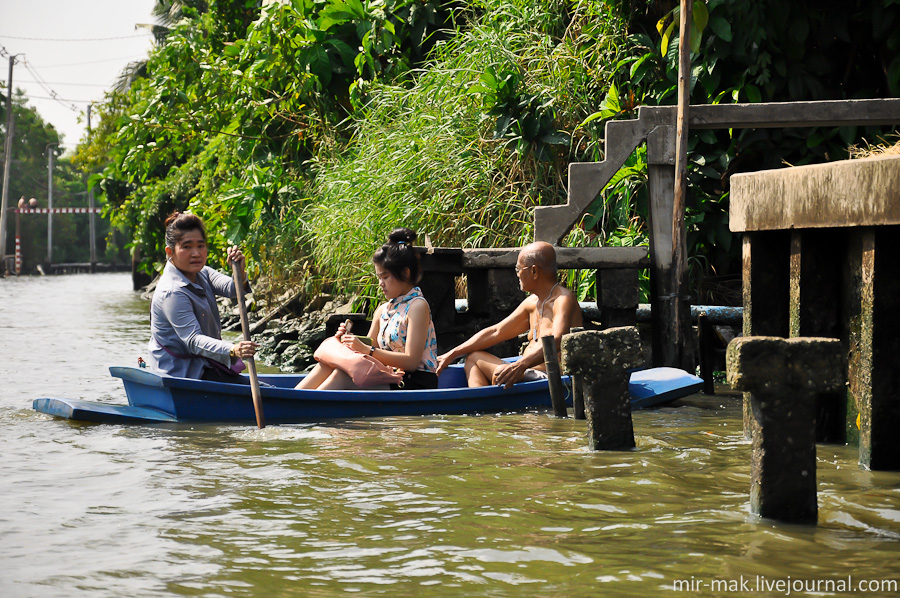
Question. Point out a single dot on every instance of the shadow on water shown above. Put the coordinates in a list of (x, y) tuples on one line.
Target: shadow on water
[(494, 505)]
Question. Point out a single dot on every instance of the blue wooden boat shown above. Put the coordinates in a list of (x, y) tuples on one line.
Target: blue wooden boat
[(155, 398)]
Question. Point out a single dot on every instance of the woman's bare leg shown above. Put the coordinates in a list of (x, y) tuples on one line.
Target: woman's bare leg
[(338, 380), (316, 377)]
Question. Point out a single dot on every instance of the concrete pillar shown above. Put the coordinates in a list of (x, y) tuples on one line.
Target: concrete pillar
[(765, 272), (673, 343), (617, 296), (782, 378), (600, 359), (874, 329), (816, 261), (439, 289), (493, 294)]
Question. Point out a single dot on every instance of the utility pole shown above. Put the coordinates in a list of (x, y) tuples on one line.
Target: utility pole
[(50, 157), (7, 161), (91, 204)]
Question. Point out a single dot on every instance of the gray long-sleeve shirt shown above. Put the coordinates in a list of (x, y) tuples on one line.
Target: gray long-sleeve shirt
[(184, 317)]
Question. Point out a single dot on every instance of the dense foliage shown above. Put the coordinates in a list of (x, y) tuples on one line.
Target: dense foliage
[(305, 130)]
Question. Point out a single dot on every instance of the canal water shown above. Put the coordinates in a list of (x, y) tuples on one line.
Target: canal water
[(482, 505)]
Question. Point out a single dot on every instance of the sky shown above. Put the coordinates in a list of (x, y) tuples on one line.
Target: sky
[(55, 62)]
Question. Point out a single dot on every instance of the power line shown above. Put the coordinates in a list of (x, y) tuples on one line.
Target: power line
[(46, 86), (75, 39), (58, 99), (53, 66), (64, 83)]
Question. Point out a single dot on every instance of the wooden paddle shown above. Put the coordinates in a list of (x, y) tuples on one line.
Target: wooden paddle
[(251, 363)]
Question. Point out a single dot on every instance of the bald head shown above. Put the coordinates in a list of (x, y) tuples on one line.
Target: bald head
[(542, 255)]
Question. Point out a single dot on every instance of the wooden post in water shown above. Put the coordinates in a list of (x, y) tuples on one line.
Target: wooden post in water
[(577, 388), (554, 377), (577, 382), (783, 378), (578, 397)]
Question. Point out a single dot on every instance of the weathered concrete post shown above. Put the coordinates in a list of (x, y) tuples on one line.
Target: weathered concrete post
[(765, 271), (843, 219), (874, 337), (617, 296), (783, 378), (600, 359), (815, 305)]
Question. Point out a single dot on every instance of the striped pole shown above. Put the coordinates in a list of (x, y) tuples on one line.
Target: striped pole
[(19, 211), (57, 210), (50, 202), (18, 247)]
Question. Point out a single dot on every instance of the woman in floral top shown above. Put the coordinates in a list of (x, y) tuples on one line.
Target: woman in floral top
[(402, 330)]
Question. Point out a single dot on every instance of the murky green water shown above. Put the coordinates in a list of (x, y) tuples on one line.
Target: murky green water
[(493, 505)]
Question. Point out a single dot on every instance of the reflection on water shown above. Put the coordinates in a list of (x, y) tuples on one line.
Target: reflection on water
[(499, 505)]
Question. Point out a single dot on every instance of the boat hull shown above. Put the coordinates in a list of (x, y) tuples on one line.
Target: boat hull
[(159, 398), (199, 400)]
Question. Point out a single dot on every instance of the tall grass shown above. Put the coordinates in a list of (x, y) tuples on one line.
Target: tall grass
[(424, 156)]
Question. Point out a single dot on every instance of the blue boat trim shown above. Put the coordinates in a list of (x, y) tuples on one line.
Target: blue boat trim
[(100, 412), (160, 398), (658, 386)]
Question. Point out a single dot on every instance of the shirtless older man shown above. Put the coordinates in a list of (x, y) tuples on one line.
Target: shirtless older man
[(550, 309)]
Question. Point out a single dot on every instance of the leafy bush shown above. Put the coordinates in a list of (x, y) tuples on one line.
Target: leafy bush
[(308, 130)]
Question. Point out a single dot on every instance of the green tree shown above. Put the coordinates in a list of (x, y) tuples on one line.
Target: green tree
[(306, 129), (753, 51), (32, 140), (230, 112)]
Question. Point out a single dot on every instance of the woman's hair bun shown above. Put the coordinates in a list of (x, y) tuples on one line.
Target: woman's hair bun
[(172, 218), (398, 257), (178, 223), (406, 236)]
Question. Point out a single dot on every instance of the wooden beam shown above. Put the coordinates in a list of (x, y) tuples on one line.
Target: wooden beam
[(827, 113), (566, 257)]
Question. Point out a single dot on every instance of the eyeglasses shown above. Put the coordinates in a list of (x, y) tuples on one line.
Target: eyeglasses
[(518, 269)]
